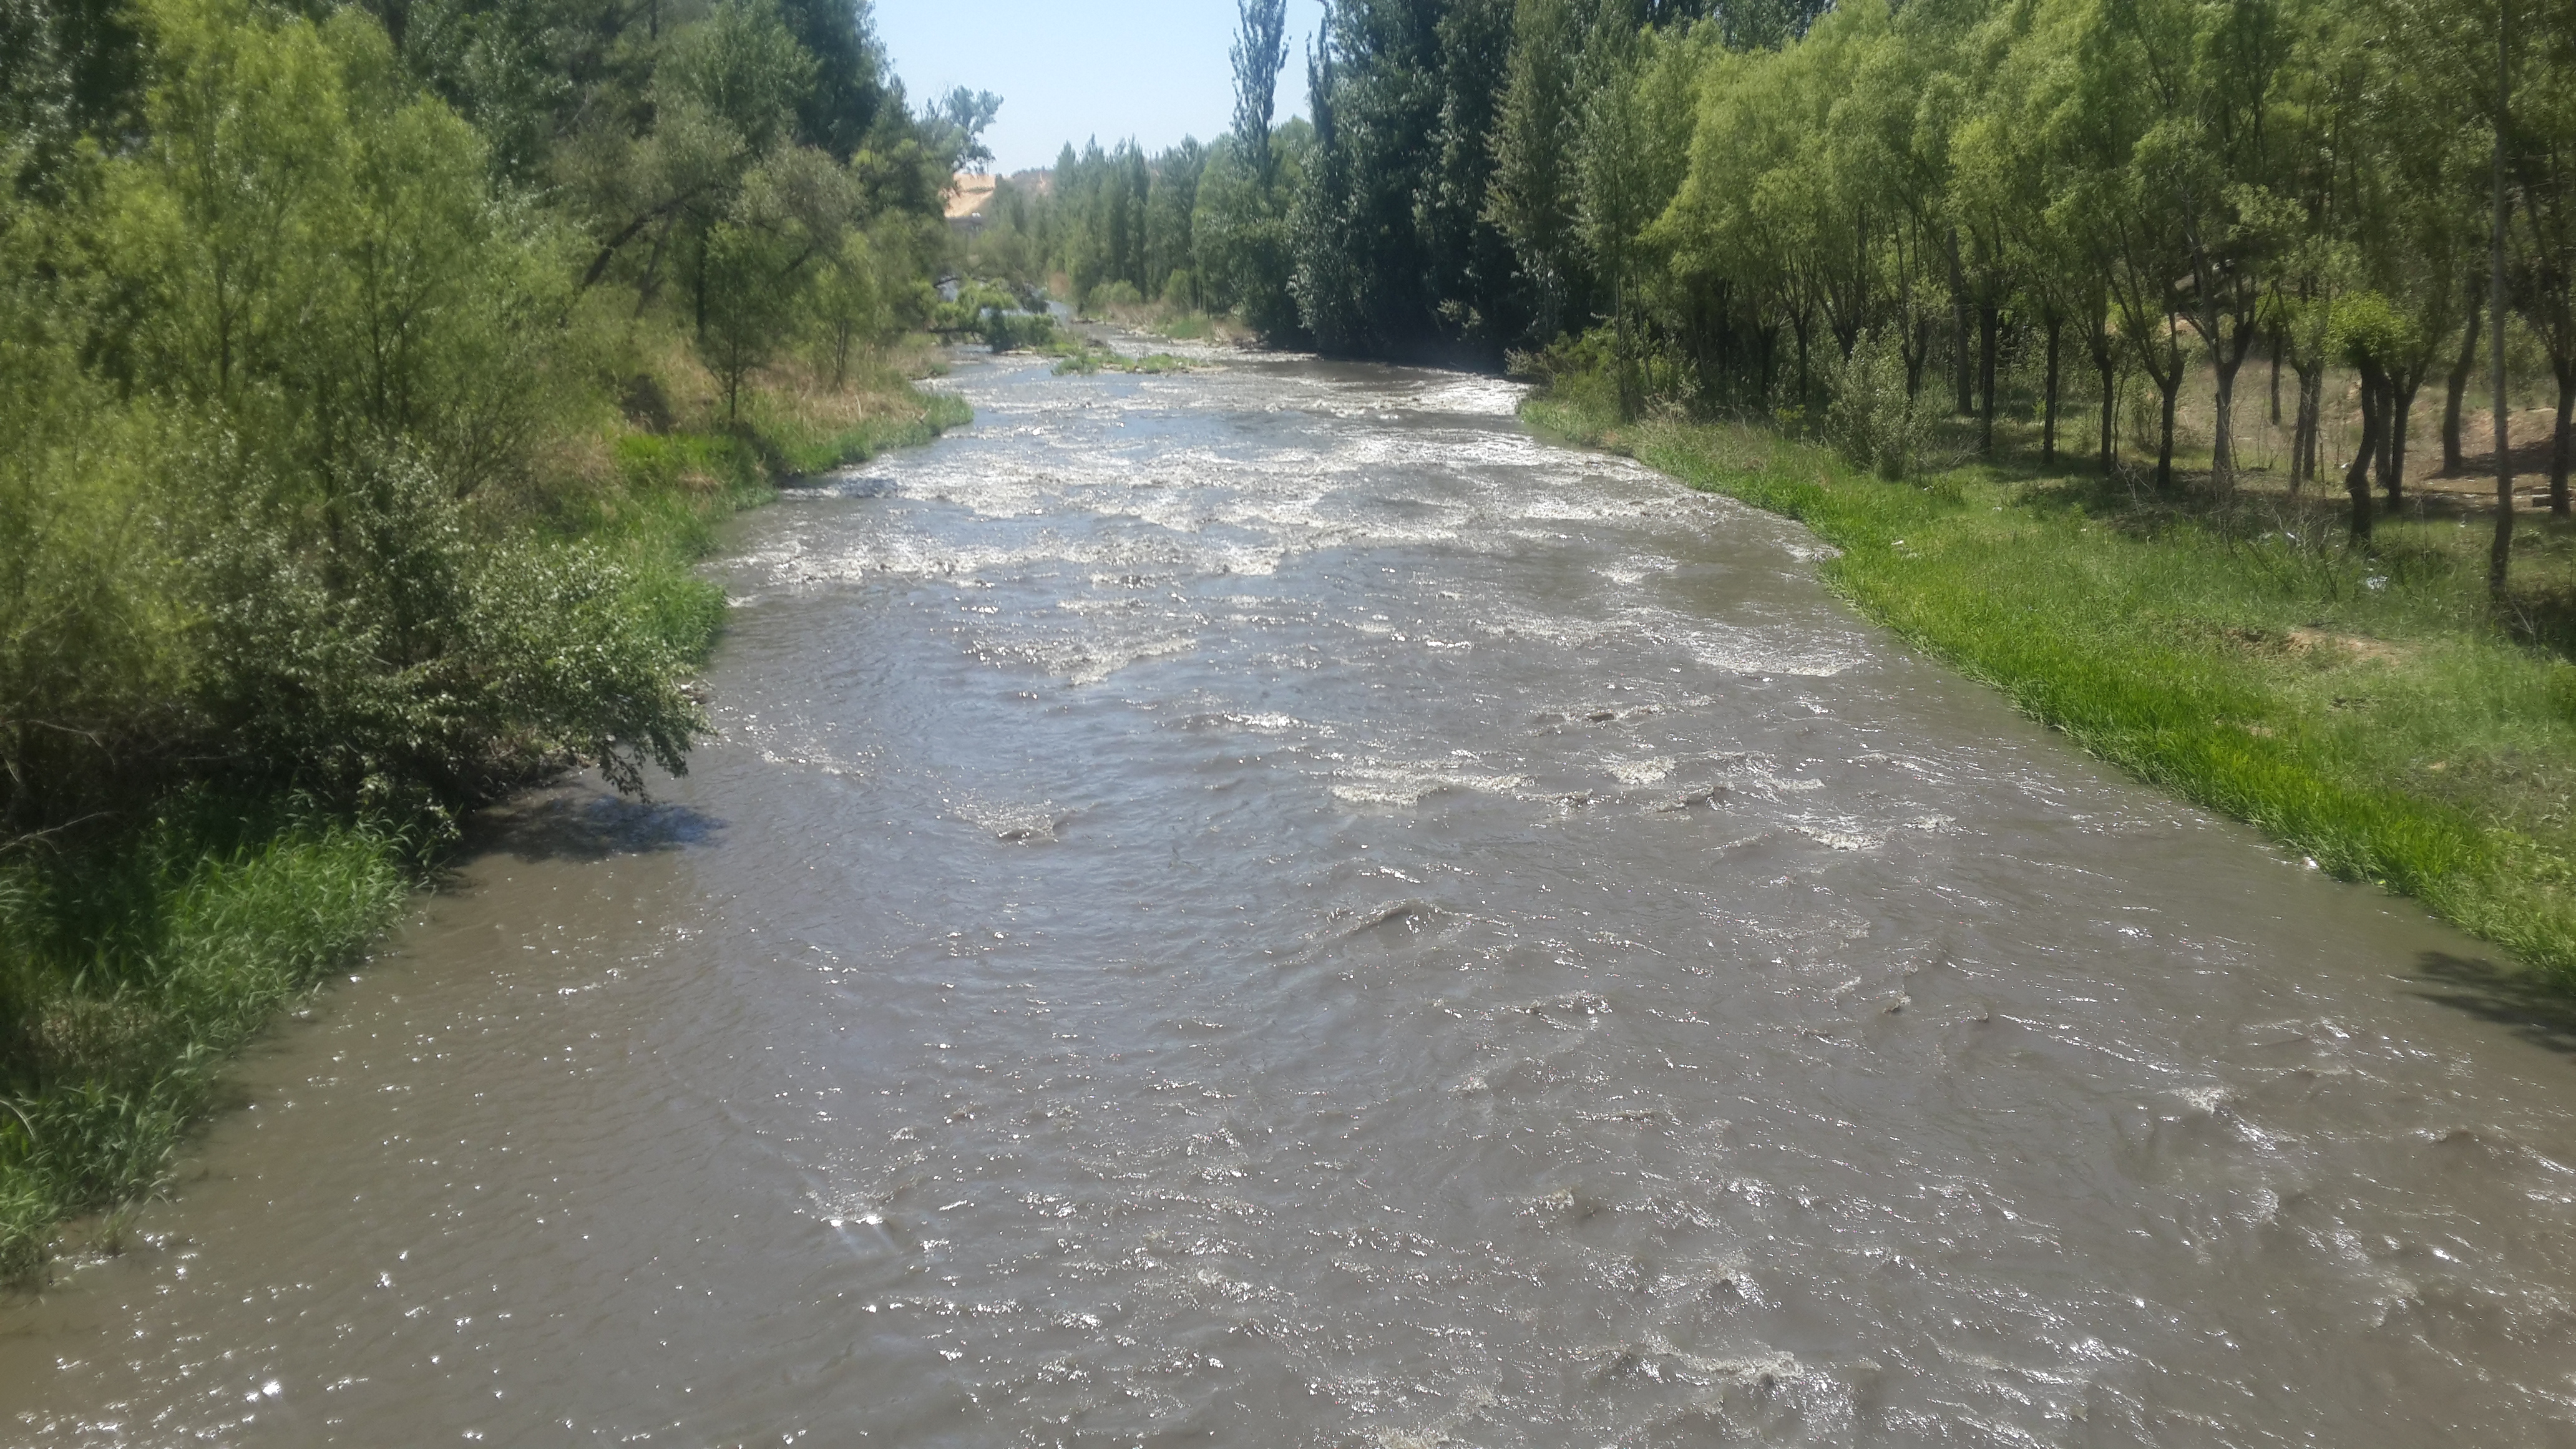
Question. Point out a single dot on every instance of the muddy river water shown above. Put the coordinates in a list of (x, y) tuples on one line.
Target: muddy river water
[(1268, 906)]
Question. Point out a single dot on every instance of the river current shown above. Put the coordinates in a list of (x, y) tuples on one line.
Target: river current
[(1269, 906)]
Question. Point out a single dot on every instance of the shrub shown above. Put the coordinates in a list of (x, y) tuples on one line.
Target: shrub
[(399, 658), (848, 310), (258, 540), (1011, 331), (1874, 419), (1112, 296)]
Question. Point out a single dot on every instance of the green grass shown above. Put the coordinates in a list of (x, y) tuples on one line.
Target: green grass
[(129, 977), (794, 443), (2369, 709), (134, 964)]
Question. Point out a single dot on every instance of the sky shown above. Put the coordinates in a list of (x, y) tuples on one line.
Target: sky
[(1156, 70)]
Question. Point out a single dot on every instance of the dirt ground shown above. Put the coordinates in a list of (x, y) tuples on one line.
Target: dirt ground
[(2263, 447)]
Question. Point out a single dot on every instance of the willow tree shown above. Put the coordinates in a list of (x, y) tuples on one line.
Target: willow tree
[(1628, 162), (2002, 180), (2101, 101), (1763, 203), (2224, 138), (2418, 181)]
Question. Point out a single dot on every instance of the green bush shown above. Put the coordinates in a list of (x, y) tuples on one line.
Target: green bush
[(1577, 372), (262, 539), (1111, 297), (995, 315), (1013, 331), (848, 308), (403, 660), (1874, 418)]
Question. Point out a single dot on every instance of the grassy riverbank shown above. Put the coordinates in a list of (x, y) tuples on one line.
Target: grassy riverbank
[(135, 962), (2369, 710)]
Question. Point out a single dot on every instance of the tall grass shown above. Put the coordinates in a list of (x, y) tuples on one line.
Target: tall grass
[(799, 434), (2367, 708), (129, 977)]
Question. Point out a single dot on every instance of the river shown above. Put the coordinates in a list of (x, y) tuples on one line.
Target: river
[(1269, 906)]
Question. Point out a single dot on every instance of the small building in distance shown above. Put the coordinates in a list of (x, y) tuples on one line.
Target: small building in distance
[(973, 197), (970, 200)]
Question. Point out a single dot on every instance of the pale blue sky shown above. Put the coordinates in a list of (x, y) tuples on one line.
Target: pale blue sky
[(1152, 69)]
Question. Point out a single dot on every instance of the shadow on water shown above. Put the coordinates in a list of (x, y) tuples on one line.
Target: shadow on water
[(2521, 1002), (586, 823)]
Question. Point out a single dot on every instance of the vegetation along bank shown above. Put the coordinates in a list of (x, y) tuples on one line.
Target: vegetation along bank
[(2369, 709), (370, 377), (371, 372), (2139, 355)]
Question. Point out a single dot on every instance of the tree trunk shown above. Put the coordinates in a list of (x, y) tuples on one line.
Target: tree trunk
[(2305, 449), (2500, 550), (2565, 443), (2356, 479), (2280, 337), (2171, 390), (2401, 407), (1627, 363), (698, 291), (2311, 421), (1987, 323), (2222, 439), (2108, 364), (1802, 324), (649, 286), (1959, 332), (2458, 385), (2048, 408), (2387, 431)]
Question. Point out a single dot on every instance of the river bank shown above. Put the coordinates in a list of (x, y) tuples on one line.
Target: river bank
[(1270, 890), (138, 961), (2368, 710)]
